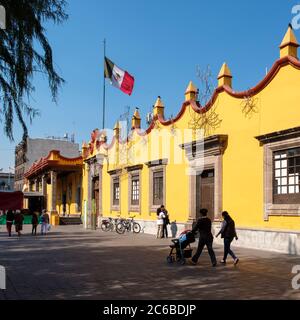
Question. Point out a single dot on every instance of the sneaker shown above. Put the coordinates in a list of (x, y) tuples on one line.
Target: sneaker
[(214, 264), (236, 261), (193, 262), (223, 261)]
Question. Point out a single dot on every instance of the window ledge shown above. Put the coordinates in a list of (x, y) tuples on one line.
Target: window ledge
[(283, 209), (115, 208), (135, 208)]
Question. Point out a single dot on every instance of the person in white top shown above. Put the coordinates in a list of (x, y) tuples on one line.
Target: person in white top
[(160, 222)]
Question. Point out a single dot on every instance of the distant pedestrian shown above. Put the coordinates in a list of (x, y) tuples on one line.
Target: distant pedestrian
[(35, 222), (44, 222), (19, 218), (206, 238), (9, 221), (166, 223), (160, 221), (228, 233)]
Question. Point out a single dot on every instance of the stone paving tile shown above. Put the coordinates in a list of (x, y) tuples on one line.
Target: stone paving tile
[(72, 263)]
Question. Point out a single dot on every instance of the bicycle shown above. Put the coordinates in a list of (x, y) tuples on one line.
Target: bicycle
[(128, 225), (109, 224)]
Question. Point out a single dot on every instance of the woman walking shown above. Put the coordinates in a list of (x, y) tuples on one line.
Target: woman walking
[(9, 221), (228, 233)]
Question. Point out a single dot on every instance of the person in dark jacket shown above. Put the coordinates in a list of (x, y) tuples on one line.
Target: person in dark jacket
[(206, 238), (10, 217), (19, 222), (35, 222), (228, 233), (166, 223)]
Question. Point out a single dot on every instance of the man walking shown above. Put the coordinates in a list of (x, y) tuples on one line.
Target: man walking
[(9, 221), (206, 238), (35, 222)]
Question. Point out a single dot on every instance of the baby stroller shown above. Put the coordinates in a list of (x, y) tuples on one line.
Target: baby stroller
[(181, 247)]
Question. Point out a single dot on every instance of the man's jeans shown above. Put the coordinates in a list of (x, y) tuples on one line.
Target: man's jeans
[(208, 243), (227, 250)]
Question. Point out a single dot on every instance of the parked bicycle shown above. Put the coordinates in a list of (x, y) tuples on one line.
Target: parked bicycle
[(128, 225), (109, 224)]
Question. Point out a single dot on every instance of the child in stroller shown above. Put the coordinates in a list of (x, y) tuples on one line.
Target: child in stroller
[(181, 247)]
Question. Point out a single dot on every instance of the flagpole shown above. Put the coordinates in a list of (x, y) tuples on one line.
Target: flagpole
[(103, 105)]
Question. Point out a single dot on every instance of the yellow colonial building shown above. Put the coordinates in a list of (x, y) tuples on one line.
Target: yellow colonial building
[(56, 181), (240, 152)]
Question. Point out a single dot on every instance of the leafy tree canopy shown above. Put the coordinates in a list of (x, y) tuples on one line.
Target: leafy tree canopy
[(24, 51)]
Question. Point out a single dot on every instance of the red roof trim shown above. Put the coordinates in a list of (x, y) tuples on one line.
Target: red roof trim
[(44, 162), (288, 60)]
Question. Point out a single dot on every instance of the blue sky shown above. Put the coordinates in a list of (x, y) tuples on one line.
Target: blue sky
[(160, 43)]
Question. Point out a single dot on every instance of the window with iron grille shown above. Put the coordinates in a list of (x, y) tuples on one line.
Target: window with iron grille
[(116, 191), (135, 190), (158, 187), (286, 165)]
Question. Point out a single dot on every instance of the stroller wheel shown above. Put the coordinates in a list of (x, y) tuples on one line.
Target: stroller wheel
[(169, 259)]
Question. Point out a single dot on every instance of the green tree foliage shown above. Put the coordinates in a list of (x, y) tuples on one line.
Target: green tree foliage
[(24, 51)]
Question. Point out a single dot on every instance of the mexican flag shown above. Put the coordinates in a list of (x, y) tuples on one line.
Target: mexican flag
[(119, 78)]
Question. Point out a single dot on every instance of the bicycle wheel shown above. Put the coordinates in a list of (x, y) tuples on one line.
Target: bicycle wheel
[(120, 228), (136, 227), (105, 227)]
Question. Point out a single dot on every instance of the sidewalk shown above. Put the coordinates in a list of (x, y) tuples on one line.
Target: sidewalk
[(71, 263)]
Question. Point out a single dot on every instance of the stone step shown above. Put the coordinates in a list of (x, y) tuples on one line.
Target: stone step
[(70, 220)]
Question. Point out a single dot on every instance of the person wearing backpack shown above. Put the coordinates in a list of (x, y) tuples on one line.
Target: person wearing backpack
[(44, 222), (228, 233)]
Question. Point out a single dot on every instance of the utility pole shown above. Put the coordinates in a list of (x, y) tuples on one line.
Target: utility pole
[(103, 102)]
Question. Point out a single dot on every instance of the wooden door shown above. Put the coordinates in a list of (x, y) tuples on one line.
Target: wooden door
[(205, 196)]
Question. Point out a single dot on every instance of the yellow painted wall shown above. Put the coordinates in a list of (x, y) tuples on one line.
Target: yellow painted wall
[(277, 108)]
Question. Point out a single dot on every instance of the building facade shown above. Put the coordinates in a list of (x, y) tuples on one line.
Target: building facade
[(54, 183), (31, 150), (6, 181), (240, 153)]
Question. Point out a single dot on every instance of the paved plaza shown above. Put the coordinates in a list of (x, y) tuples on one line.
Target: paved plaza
[(72, 263)]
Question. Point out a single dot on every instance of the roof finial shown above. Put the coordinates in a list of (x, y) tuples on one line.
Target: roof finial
[(158, 108), (136, 119), (225, 77), (191, 92), (289, 44)]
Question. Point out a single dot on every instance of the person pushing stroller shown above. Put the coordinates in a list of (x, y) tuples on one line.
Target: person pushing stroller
[(181, 247)]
